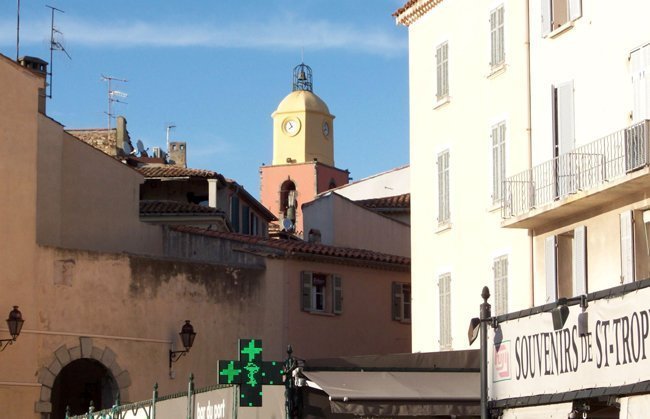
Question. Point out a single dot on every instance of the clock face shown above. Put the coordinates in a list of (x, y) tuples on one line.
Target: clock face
[(291, 126), (326, 129)]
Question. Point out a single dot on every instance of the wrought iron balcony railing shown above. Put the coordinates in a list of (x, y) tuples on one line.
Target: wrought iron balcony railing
[(584, 168)]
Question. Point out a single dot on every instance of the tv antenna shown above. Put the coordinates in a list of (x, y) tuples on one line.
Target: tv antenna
[(18, 31), (114, 96), (169, 128), (55, 45)]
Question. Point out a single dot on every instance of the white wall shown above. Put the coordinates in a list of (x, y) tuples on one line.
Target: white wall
[(391, 183)]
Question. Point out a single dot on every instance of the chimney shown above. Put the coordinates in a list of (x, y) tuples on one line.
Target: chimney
[(122, 140), (178, 153), (38, 67)]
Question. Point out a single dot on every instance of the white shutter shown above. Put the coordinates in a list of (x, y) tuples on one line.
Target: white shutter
[(575, 9), (550, 265), (639, 62), (627, 247), (565, 118), (493, 38), (546, 17), (580, 261)]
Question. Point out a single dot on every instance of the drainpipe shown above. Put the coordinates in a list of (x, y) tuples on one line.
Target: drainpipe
[(529, 139)]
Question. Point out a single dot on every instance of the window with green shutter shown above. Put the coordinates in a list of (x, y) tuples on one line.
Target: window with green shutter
[(401, 304), (321, 293)]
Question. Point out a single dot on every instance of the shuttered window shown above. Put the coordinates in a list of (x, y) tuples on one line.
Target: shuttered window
[(580, 261), (627, 247), (566, 264), (443, 188), (500, 269), (498, 161), (556, 13), (497, 56), (550, 267), (321, 293), (234, 212), (401, 301), (444, 292), (245, 217), (442, 71), (639, 68)]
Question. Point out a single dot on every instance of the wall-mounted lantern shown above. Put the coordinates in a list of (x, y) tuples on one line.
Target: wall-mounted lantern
[(187, 337)]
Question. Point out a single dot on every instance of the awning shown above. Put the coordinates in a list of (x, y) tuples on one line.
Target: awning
[(386, 393)]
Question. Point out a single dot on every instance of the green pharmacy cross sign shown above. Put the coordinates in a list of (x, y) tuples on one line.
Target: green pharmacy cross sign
[(250, 372)]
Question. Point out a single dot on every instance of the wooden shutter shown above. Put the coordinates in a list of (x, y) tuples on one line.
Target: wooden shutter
[(500, 269), (627, 247), (580, 261), (575, 9), (397, 301), (546, 17), (639, 65), (305, 290), (438, 72), (493, 38), (337, 294), (550, 266), (565, 118)]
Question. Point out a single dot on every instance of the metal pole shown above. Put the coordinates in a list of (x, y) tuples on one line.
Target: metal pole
[(485, 316), (18, 31)]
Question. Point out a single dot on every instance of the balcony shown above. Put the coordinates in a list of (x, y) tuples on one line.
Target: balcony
[(612, 168)]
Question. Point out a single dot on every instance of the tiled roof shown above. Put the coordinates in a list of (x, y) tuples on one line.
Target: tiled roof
[(389, 202), (150, 207), (413, 10), (175, 171), (101, 139), (302, 248)]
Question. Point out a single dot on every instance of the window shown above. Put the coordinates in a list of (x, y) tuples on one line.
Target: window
[(635, 245), (498, 161), (442, 72), (245, 216), (444, 293), (498, 54), (443, 188), (234, 212), (500, 269), (566, 264), (288, 201), (402, 302), (556, 13), (253, 224), (321, 293), (639, 67)]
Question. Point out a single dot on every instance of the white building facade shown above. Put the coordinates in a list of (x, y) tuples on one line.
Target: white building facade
[(469, 129)]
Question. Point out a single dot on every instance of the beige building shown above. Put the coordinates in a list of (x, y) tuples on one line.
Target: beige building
[(469, 129), (104, 295)]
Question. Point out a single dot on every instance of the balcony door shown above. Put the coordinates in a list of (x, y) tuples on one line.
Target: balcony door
[(564, 139)]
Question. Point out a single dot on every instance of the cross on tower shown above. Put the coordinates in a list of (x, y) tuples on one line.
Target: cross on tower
[(250, 372)]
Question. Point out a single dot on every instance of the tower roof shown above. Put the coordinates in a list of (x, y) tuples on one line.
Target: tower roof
[(300, 101)]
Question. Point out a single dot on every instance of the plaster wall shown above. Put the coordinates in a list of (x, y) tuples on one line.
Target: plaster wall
[(365, 325), (594, 54), (479, 98), (390, 183), (344, 223)]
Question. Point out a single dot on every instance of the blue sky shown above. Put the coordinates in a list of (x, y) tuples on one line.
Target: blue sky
[(217, 70)]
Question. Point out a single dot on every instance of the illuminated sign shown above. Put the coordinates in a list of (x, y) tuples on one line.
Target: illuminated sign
[(250, 372)]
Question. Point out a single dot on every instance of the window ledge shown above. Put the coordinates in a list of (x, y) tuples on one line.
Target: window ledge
[(497, 70), (320, 313), (561, 29), (443, 227), (495, 206), (442, 102), (403, 321)]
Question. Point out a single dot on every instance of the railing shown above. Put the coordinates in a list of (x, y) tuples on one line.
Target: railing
[(585, 167)]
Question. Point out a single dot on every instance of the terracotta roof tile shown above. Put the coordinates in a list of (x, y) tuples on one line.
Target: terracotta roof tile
[(413, 10), (389, 202), (296, 248), (151, 207), (175, 171)]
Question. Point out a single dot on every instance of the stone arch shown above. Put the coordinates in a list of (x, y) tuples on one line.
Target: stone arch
[(64, 356)]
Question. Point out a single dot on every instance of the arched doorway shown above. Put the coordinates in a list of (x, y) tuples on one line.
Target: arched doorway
[(79, 383)]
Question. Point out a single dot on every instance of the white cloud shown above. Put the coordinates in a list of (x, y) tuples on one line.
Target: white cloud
[(286, 32)]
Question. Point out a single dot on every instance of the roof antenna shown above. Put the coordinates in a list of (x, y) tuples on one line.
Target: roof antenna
[(18, 31), (113, 97), (55, 45)]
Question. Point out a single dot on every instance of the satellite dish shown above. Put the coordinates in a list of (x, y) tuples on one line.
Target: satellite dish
[(287, 224)]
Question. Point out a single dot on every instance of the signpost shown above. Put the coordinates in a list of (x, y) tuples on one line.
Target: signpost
[(250, 372)]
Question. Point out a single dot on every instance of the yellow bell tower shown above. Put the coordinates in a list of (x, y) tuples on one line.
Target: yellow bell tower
[(303, 129)]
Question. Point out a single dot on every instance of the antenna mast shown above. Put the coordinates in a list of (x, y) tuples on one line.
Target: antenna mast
[(54, 45), (113, 97), (169, 128), (18, 31)]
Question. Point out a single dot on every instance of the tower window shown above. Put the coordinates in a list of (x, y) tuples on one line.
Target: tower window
[(288, 200)]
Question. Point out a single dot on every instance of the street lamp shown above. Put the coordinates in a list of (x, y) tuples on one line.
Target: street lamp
[(187, 337), (478, 325), (15, 324)]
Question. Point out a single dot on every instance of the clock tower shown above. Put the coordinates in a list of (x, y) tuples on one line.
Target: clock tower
[(303, 153)]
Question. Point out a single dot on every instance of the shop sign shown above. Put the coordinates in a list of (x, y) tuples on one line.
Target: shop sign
[(526, 356)]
